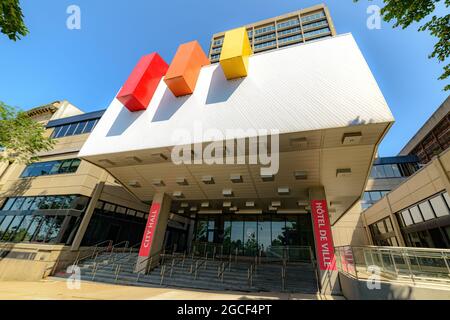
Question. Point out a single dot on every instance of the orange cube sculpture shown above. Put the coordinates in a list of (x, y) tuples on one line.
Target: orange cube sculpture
[(184, 70)]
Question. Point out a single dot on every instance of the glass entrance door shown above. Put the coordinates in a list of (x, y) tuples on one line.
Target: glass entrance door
[(254, 234)]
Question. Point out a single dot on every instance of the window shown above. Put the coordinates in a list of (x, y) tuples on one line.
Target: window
[(289, 31), (415, 214), (426, 210), (51, 167), (386, 171), (265, 29), (75, 128), (317, 32), (315, 25), (313, 16), (289, 39), (439, 206), (265, 44), (288, 23), (265, 37), (407, 218)]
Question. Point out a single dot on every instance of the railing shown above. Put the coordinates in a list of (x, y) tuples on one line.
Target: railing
[(94, 252), (118, 245), (148, 264), (395, 263)]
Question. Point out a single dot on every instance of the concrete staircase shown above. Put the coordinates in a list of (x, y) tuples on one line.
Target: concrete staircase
[(118, 268)]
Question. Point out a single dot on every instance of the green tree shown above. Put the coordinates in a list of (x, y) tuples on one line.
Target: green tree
[(11, 19), (20, 136), (405, 12)]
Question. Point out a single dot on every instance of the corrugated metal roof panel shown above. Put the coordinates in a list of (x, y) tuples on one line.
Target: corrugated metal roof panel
[(324, 84)]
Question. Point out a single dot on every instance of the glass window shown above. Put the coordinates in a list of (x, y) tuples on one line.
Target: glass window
[(407, 218), (33, 228), (447, 199), (74, 165), (415, 213), (37, 203), (65, 166), (264, 233), (121, 210), (80, 128), (396, 171), (71, 129), (388, 170), (44, 228), (439, 206), (22, 230), (375, 195), (56, 131), (8, 204), (89, 126), (381, 227), (237, 235), (202, 231), (426, 210), (54, 229), (62, 132), (367, 196), (9, 233), (17, 204), (5, 224), (278, 227), (27, 203), (250, 236), (58, 202), (46, 203)]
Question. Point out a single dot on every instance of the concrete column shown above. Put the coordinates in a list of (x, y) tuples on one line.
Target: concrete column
[(155, 230), (443, 173), (324, 245), (395, 225), (89, 212), (190, 236)]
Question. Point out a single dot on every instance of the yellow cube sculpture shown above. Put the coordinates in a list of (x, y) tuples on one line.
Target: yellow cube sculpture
[(236, 49)]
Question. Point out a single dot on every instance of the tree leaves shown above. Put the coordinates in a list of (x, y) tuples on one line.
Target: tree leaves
[(20, 136), (11, 20), (405, 12)]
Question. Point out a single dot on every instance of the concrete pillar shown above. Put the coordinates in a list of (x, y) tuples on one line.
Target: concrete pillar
[(326, 260), (190, 236), (153, 238), (395, 225), (442, 172), (89, 212)]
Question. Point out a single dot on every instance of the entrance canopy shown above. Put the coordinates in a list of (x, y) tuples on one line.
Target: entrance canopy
[(320, 97)]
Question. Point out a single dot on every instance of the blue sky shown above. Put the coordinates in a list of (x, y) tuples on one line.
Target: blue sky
[(88, 66)]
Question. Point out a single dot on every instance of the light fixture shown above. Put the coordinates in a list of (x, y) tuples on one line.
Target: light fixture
[(303, 203), (160, 156), (284, 191), (276, 204), (208, 180), (182, 181), (158, 183), (184, 205), (227, 204), (351, 138), (134, 184), (107, 161), (204, 204), (301, 175), (178, 194), (134, 159), (227, 192), (300, 142), (236, 178), (250, 204), (194, 208), (344, 172), (267, 177)]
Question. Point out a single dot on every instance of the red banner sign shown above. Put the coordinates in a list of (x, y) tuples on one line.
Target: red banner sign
[(323, 236), (150, 228)]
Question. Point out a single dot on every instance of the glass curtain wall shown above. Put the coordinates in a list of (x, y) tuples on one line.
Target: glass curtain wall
[(251, 234)]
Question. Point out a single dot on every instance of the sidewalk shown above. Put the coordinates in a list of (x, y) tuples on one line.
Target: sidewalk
[(55, 289)]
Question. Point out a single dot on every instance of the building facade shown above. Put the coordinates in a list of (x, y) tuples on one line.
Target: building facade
[(289, 29), (414, 210)]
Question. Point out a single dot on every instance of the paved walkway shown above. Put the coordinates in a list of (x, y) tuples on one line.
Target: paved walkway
[(55, 289)]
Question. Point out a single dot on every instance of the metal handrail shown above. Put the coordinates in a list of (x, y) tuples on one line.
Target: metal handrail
[(198, 264), (250, 276), (118, 244), (398, 262), (129, 254), (221, 269), (146, 266), (91, 255)]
